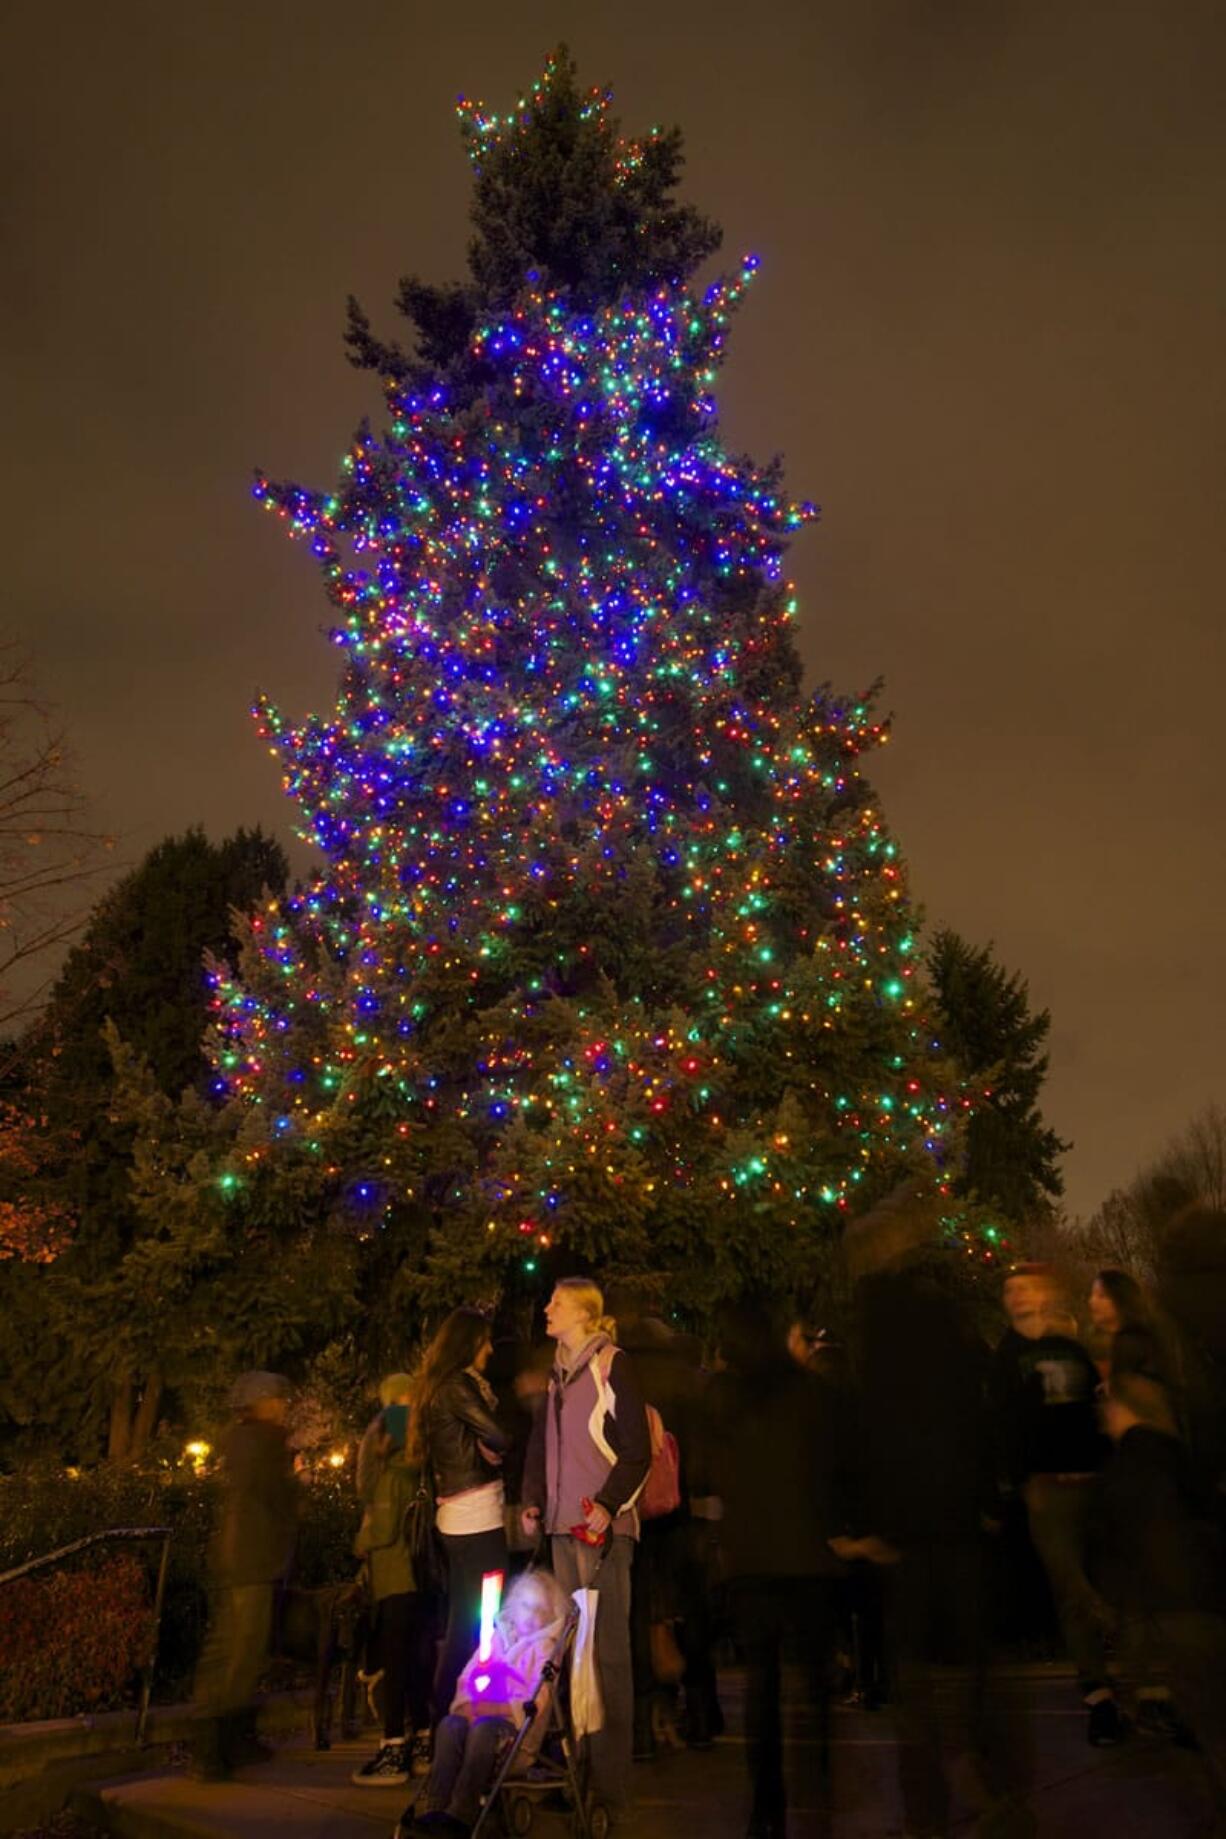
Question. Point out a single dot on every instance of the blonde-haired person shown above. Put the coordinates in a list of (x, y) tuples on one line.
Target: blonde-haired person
[(489, 1706), (587, 1461), (394, 1389)]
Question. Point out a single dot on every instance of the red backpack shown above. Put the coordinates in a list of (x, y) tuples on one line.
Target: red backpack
[(662, 1489), (661, 1492)]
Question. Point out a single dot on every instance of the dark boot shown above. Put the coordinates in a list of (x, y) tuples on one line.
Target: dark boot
[(209, 1760), (697, 1722), (242, 1745)]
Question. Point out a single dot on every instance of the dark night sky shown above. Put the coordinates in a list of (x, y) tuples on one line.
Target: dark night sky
[(988, 339)]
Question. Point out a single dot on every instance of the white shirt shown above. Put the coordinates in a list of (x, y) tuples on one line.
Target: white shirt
[(477, 1510)]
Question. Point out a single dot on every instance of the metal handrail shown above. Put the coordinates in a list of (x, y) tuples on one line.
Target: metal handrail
[(133, 1533)]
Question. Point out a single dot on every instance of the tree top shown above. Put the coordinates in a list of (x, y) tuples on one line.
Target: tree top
[(562, 202)]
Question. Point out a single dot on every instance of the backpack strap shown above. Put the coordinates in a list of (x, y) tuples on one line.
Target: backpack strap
[(606, 1402)]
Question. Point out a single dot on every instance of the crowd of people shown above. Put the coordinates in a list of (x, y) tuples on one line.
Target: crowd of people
[(849, 1504)]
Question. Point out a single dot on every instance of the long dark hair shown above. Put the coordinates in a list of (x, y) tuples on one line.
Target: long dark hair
[(1128, 1298), (454, 1347)]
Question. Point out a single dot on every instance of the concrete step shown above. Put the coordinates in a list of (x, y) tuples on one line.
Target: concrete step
[(169, 1805), (298, 1793)]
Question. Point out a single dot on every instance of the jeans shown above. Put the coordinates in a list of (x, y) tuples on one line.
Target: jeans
[(235, 1648), (610, 1748), (1059, 1514), (231, 1661), (404, 1643), (769, 1611), (465, 1758), (469, 1557)]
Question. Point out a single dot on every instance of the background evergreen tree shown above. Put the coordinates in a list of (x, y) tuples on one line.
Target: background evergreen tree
[(1010, 1157), (80, 1339), (612, 959)]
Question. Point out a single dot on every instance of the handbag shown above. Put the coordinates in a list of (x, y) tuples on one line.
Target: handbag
[(421, 1537), (667, 1660), (422, 1541)]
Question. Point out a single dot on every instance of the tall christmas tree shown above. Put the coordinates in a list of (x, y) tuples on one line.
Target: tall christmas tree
[(612, 955)]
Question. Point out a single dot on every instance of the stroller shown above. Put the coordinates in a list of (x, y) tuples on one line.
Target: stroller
[(559, 1768)]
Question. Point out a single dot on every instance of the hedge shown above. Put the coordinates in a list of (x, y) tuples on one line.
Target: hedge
[(71, 1640)]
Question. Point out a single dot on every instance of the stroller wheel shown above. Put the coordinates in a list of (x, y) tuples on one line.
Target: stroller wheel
[(599, 1825), (519, 1813)]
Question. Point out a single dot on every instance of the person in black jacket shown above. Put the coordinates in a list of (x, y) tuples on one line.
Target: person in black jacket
[(1169, 1560), (663, 1576), (1192, 1291), (456, 1437), (1043, 1387), (778, 1465)]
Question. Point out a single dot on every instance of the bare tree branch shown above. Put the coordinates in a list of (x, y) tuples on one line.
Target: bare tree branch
[(49, 851)]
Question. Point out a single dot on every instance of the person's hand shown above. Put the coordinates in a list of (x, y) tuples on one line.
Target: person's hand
[(530, 1523), (870, 1547), (844, 1547), (598, 1518), (491, 1455), (879, 1551)]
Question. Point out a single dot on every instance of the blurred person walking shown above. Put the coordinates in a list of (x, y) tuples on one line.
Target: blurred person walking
[(780, 1469), (1126, 1335), (928, 1497), (455, 1437), (1169, 1561), (1192, 1290), (1043, 1389), (251, 1553), (588, 1460)]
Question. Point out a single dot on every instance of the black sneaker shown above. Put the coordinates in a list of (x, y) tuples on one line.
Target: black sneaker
[(1106, 1726), (388, 1768), (1159, 1718)]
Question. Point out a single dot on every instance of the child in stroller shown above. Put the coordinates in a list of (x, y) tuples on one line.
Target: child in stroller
[(488, 1708)]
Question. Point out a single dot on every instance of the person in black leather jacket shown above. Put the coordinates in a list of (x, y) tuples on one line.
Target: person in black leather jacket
[(457, 1438)]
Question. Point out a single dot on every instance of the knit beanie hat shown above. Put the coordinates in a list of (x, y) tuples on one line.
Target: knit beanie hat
[(249, 1388)]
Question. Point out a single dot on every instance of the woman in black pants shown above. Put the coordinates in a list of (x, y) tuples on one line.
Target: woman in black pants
[(402, 1621), (460, 1440)]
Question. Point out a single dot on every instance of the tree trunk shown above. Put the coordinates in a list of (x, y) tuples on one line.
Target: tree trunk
[(146, 1415), (120, 1435)]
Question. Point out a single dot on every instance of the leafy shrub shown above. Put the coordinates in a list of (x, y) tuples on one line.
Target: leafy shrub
[(73, 1640)]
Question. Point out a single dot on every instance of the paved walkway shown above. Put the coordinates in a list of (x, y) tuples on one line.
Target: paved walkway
[(1144, 1790)]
